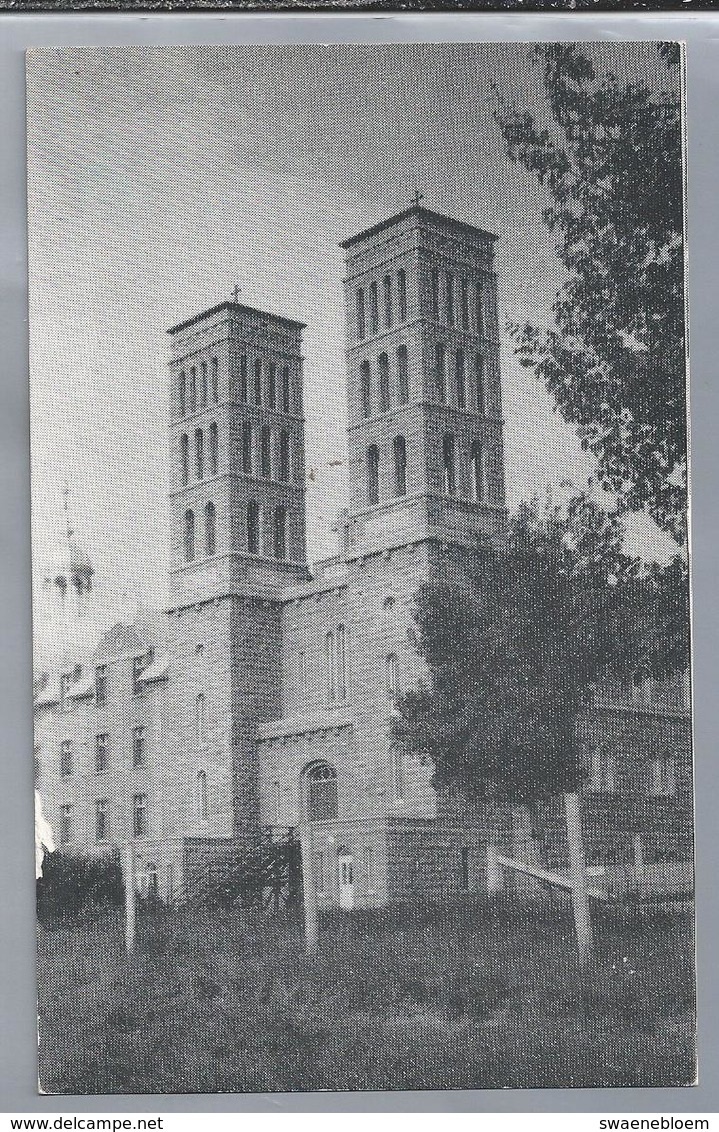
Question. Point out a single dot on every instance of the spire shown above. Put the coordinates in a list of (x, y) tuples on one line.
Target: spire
[(78, 566)]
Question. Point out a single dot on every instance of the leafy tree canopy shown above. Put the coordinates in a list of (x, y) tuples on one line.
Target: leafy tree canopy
[(610, 157)]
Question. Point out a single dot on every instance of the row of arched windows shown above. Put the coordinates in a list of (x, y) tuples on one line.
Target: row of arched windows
[(457, 302), (377, 396), (191, 533), (381, 304), (477, 469), (451, 382), (197, 389), (273, 452), (399, 461), (277, 517), (200, 468), (261, 384)]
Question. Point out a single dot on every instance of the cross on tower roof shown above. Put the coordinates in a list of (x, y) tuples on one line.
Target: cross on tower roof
[(417, 198), (236, 292)]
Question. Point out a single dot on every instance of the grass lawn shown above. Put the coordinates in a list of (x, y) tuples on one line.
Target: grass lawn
[(478, 995)]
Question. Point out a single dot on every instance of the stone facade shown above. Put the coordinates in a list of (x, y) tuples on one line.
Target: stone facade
[(264, 696)]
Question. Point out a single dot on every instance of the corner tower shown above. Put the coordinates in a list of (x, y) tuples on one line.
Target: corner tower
[(425, 428)]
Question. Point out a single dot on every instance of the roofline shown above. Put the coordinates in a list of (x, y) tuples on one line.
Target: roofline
[(417, 210), (238, 308)]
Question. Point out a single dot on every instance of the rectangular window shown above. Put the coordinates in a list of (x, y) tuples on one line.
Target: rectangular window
[(265, 465), (139, 815), (402, 376), (402, 295), (247, 449), (138, 746), (65, 824), (101, 748), (101, 820), (66, 759), (366, 389), (101, 685)]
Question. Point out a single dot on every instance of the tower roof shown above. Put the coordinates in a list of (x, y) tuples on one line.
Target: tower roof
[(236, 308), (421, 213)]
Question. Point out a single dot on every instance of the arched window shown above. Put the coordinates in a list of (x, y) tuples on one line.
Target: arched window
[(213, 450), (199, 454), (476, 463), (280, 533), (284, 456), (193, 389), (361, 325), (285, 390), (434, 283), (189, 536), (461, 384), (182, 392), (320, 782), (479, 379), (200, 718), (210, 545), (272, 385), (247, 448), (373, 309), (440, 378), (383, 370), (203, 385), (258, 381), (449, 478), (464, 304), (399, 448), (449, 296), (185, 458), (373, 474), (366, 389), (402, 295), (202, 795), (387, 291), (330, 682), (253, 528), (479, 311), (215, 380), (341, 663), (243, 380), (265, 464), (402, 375)]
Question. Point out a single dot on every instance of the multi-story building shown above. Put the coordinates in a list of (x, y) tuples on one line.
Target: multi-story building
[(264, 695)]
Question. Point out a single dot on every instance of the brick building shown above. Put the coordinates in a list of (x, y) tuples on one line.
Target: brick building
[(264, 695)]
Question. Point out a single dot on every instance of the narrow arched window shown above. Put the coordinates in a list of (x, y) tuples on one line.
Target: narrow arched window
[(182, 390), (185, 458), (402, 295), (202, 795), (373, 309), (193, 389), (258, 381), (479, 380), (203, 385), (285, 390), (265, 460), (199, 454), (400, 465), (476, 465), (280, 533), (449, 477), (215, 380), (479, 311), (247, 449), (284, 456), (402, 376), (320, 782), (243, 380), (330, 668), (461, 383), (464, 304), (387, 292), (373, 474), (253, 528), (366, 389), (440, 377), (341, 663), (210, 545), (213, 450), (434, 285), (189, 536), (383, 370), (449, 298), (272, 385), (361, 324)]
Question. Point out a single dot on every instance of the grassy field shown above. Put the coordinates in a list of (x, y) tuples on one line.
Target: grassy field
[(482, 995)]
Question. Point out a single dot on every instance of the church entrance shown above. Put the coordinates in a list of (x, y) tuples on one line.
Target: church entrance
[(346, 867)]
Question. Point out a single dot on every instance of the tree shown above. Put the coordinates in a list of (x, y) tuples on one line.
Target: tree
[(610, 158)]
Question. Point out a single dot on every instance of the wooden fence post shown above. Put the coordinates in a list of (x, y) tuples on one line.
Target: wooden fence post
[(495, 877), (130, 902), (578, 878), (309, 895)]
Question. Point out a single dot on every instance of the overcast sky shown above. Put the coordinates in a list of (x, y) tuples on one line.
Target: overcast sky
[(159, 178)]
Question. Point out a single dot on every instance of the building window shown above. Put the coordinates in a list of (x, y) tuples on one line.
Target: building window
[(272, 385), (330, 667), (66, 758), (193, 389), (101, 746), (199, 454), (479, 379), (200, 719), (383, 369), (247, 449), (213, 450), (402, 295), (373, 309), (449, 294), (373, 475), (285, 390), (202, 795), (210, 542), (203, 386), (258, 381), (139, 815), (399, 448), (253, 528), (183, 393), (402, 376), (387, 291), (449, 478), (215, 380), (189, 536), (265, 462), (434, 283), (361, 325), (366, 389), (101, 685), (476, 471), (321, 792), (479, 311), (664, 777), (185, 458), (602, 771), (102, 825), (65, 824), (280, 533), (461, 384), (341, 663), (439, 373), (464, 304), (284, 456), (138, 746), (139, 664), (243, 380)]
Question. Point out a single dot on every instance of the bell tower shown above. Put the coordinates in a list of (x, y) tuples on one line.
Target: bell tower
[(425, 428)]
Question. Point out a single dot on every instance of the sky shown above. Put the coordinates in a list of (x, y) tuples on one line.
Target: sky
[(159, 178)]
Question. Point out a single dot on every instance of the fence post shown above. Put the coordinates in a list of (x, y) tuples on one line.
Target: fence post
[(578, 878), (638, 853), (309, 896), (130, 902), (495, 876)]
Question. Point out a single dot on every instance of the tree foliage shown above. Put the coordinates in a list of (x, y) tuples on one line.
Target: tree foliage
[(610, 157), (514, 650)]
